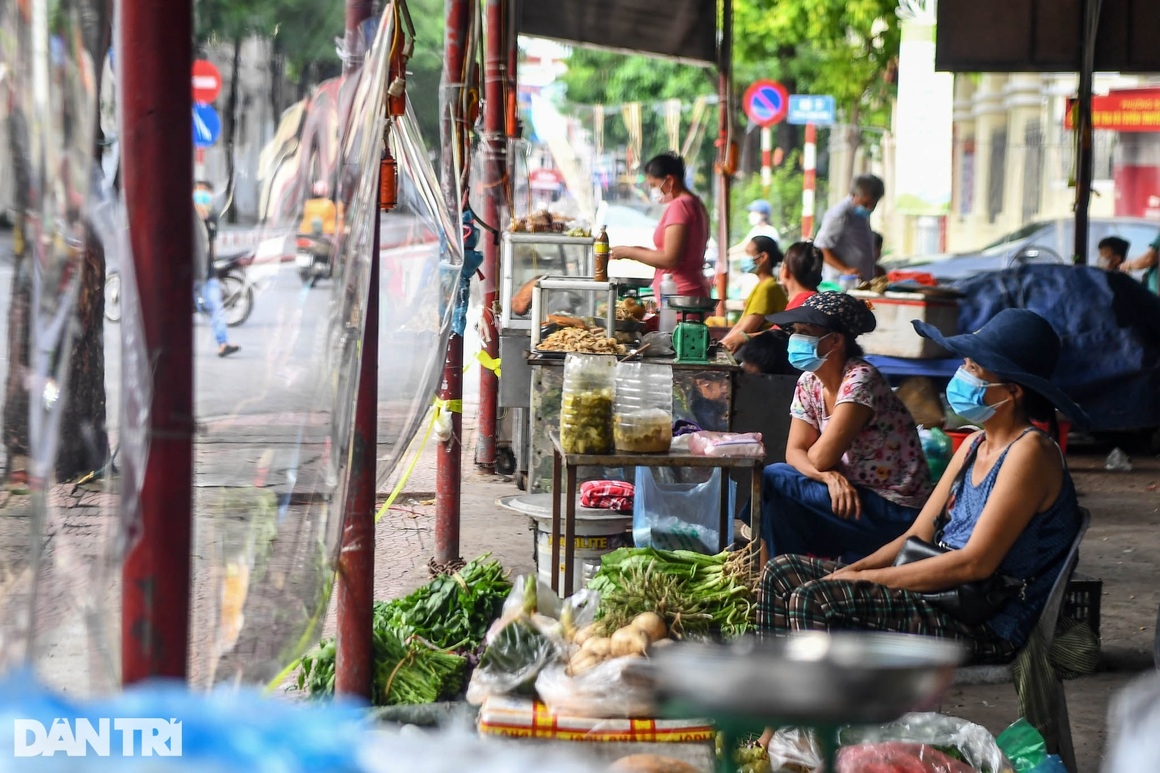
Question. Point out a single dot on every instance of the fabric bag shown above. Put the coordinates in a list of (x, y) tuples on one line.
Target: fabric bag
[(670, 514)]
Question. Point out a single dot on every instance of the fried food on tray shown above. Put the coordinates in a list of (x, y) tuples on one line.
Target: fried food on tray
[(572, 339)]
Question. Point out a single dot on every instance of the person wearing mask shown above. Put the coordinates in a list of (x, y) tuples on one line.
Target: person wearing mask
[(682, 235), (1150, 262), (855, 476), (845, 238), (800, 273), (761, 255), (1113, 252), (1006, 504), (205, 234), (760, 212)]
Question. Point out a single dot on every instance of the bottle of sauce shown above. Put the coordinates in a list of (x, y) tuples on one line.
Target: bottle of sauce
[(601, 250)]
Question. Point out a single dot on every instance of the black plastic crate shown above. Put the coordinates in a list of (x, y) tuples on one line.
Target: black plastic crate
[(1081, 601)]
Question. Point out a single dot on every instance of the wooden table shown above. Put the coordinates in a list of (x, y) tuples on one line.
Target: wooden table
[(565, 465)]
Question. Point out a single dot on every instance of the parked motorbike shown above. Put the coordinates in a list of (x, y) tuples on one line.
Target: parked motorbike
[(314, 257), (237, 291)]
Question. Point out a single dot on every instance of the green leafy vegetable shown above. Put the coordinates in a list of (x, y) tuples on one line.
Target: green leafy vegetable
[(697, 595)]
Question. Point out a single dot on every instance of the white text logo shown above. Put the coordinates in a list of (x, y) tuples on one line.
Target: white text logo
[(81, 737)]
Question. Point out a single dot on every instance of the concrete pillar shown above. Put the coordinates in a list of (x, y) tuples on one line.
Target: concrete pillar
[(990, 117), (1024, 101)]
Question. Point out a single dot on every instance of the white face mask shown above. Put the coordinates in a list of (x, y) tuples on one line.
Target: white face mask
[(756, 218), (655, 196)]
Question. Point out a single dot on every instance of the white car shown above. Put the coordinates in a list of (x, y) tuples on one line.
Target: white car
[(631, 224)]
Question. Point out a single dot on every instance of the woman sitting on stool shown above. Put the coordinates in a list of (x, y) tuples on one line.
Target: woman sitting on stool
[(1005, 505), (856, 476)]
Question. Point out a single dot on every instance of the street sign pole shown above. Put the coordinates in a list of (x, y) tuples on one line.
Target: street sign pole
[(766, 158), (809, 179)]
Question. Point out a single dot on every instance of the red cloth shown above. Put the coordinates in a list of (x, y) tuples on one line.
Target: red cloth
[(686, 210), (607, 495), (798, 299), (919, 277)]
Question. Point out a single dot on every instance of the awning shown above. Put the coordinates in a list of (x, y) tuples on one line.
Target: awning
[(680, 29)]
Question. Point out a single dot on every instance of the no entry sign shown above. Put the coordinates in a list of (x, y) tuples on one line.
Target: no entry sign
[(766, 103), (207, 81)]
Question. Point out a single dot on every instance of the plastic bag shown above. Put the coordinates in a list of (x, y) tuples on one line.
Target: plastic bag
[(899, 756), (611, 689), (746, 445), (1134, 727), (977, 745), (1023, 745), (794, 748), (936, 446), (677, 515)]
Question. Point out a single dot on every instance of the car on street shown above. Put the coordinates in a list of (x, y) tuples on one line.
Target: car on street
[(1038, 242)]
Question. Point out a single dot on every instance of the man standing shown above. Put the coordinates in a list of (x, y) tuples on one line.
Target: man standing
[(205, 232), (845, 238), (1150, 262)]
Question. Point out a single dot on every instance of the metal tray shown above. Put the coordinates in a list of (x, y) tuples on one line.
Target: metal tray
[(808, 678)]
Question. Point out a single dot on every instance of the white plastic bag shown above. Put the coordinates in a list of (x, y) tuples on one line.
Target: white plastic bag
[(672, 515), (611, 689), (745, 445)]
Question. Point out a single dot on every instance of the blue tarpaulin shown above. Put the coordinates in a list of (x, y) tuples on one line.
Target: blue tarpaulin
[(1109, 325)]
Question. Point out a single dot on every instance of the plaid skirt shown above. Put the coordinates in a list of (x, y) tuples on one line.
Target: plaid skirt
[(794, 597)]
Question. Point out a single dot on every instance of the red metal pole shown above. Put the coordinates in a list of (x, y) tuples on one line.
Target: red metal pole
[(355, 591), (496, 87), (726, 153), (809, 180), (453, 128), (158, 185)]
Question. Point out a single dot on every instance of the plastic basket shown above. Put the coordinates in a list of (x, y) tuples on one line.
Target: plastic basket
[(1081, 601)]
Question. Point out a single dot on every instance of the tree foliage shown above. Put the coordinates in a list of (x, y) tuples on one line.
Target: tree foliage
[(847, 48)]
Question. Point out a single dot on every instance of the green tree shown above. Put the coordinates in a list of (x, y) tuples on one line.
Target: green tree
[(601, 77)]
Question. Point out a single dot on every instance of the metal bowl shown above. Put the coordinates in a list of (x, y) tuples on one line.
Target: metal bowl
[(807, 678), (692, 303)]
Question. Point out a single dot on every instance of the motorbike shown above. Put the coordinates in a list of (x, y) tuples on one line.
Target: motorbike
[(314, 257), (237, 291)]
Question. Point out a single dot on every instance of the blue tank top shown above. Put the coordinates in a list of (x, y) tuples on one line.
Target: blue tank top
[(1038, 554)]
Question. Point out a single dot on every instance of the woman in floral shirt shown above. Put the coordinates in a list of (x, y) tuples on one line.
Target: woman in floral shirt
[(855, 476)]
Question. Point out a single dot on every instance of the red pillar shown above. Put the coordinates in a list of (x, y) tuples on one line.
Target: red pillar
[(809, 180), (355, 591), (455, 145), (158, 185), (496, 87), (726, 148)]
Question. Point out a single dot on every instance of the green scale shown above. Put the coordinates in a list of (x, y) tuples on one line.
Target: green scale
[(691, 334)]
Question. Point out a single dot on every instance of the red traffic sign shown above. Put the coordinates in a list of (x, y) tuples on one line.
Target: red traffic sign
[(207, 81), (766, 103)]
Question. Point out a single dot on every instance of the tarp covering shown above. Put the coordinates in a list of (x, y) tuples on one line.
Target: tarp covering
[(1109, 325), (685, 29)]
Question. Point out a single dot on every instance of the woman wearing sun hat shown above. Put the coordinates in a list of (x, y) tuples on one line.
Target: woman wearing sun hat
[(855, 476), (1006, 504)]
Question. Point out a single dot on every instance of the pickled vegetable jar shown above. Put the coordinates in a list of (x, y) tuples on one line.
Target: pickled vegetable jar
[(643, 410), (586, 404)]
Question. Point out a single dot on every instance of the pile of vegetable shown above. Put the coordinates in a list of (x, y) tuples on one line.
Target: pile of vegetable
[(422, 642), (696, 596), (646, 631)]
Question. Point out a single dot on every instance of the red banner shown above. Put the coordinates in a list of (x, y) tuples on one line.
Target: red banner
[(1136, 110)]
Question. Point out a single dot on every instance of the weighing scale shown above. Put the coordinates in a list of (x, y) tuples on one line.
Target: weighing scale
[(691, 336)]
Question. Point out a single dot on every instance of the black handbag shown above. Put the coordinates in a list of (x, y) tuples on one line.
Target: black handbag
[(972, 602)]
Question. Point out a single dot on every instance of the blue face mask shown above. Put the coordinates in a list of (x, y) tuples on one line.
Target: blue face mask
[(202, 198), (803, 352), (861, 211), (965, 394), (747, 265)]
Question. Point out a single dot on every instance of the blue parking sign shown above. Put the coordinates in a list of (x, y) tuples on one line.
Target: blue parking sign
[(811, 108), (207, 125)]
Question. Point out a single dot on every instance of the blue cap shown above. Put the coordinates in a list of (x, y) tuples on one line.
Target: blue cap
[(762, 206)]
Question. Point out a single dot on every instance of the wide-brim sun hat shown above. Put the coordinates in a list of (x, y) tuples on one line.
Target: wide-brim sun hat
[(839, 312), (1017, 345)]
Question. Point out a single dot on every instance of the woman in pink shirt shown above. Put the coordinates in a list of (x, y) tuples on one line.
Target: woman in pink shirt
[(682, 235)]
